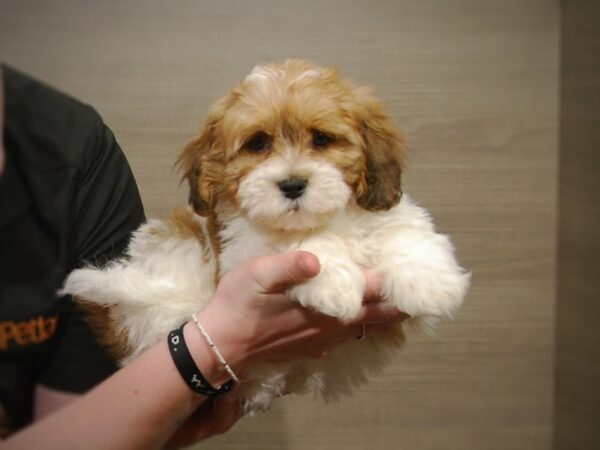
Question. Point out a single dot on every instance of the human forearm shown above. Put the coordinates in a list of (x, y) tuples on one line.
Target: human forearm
[(147, 404), (140, 406)]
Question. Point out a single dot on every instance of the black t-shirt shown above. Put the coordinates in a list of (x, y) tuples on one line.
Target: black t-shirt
[(67, 198)]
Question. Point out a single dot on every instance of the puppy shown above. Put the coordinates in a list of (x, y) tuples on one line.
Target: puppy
[(294, 157)]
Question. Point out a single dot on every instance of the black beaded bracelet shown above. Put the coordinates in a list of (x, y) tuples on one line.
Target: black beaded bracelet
[(187, 367)]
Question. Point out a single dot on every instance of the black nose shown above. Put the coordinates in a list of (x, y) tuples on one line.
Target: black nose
[(293, 187)]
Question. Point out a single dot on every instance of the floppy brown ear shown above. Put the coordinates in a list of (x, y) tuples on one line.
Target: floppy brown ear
[(384, 150), (201, 162), (190, 165)]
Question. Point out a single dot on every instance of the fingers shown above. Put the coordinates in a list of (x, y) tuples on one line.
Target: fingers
[(276, 273), (373, 282), (373, 310), (213, 417), (374, 313), (228, 411), (366, 330)]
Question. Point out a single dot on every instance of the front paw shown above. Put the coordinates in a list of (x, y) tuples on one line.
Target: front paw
[(337, 291), (426, 293)]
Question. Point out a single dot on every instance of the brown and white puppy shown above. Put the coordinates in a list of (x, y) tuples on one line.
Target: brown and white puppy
[(294, 157)]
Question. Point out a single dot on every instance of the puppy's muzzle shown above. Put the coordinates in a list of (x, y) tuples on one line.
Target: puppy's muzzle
[(293, 188)]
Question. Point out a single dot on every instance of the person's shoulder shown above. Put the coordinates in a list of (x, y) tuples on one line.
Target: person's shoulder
[(66, 127)]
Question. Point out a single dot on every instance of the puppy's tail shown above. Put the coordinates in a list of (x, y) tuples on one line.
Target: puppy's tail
[(115, 285)]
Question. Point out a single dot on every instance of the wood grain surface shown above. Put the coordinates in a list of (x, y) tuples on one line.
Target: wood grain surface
[(577, 412), (474, 85)]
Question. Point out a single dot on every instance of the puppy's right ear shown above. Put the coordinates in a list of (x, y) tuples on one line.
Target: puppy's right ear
[(191, 161), (201, 162)]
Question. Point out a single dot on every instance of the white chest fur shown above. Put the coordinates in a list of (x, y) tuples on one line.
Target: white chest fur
[(167, 277)]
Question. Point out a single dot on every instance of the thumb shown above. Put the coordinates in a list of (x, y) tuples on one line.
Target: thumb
[(275, 273)]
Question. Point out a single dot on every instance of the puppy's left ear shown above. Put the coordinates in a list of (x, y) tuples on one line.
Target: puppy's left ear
[(380, 187)]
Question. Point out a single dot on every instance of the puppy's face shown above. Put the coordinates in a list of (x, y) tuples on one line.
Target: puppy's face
[(291, 145)]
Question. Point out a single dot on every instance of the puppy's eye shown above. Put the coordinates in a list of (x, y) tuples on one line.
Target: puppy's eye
[(258, 143), (320, 139)]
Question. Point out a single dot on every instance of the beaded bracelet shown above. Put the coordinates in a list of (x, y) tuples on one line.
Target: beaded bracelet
[(215, 350)]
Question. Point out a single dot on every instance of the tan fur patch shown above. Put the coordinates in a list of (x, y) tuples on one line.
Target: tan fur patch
[(213, 232), (105, 327), (287, 102), (182, 224)]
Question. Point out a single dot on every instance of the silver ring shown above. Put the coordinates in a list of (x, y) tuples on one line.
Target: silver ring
[(363, 332)]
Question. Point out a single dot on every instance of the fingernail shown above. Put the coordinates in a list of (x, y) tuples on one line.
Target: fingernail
[(307, 265)]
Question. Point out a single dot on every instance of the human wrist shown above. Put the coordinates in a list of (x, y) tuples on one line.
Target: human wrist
[(219, 363), (203, 357)]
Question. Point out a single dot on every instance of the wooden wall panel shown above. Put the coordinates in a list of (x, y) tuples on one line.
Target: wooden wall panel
[(474, 85), (577, 413)]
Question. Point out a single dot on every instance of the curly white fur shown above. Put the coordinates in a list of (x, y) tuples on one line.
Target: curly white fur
[(166, 277), (163, 280)]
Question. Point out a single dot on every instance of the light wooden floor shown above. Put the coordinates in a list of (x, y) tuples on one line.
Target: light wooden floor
[(474, 85)]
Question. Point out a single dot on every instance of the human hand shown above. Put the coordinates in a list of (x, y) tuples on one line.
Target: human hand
[(213, 417), (251, 318)]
